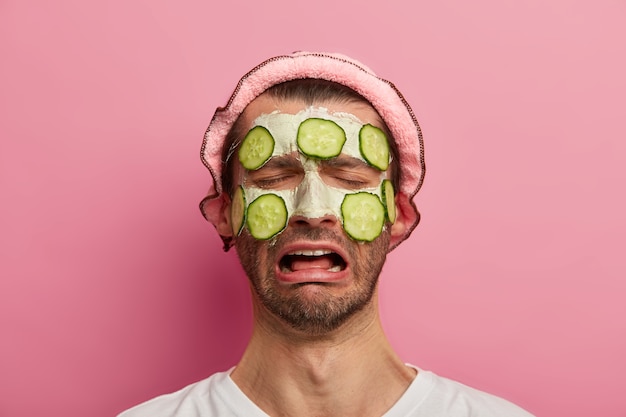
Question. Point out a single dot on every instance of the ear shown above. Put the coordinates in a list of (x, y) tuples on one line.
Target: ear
[(223, 222), (407, 218)]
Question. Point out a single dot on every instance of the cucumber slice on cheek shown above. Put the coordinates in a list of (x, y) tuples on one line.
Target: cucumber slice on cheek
[(363, 216), (320, 138), (374, 146), (266, 216), (256, 148), (238, 210), (389, 200)]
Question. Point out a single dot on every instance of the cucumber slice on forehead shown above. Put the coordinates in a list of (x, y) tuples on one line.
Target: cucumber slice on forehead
[(363, 216), (320, 138), (374, 146), (238, 210), (266, 216), (389, 200), (256, 148)]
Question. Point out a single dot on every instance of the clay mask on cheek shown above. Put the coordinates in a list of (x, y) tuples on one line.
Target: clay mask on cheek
[(313, 136)]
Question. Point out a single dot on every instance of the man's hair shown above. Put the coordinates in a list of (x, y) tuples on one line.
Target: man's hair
[(311, 91)]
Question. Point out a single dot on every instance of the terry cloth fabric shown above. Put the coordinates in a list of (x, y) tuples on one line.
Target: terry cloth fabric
[(382, 94)]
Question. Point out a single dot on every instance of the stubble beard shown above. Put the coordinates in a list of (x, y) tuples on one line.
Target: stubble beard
[(321, 312)]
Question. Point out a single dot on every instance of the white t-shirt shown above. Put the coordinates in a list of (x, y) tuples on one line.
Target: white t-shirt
[(428, 395)]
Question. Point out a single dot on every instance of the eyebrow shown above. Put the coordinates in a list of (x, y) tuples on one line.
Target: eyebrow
[(345, 163), (285, 161)]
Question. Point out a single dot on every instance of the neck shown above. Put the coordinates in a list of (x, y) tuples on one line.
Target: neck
[(351, 371)]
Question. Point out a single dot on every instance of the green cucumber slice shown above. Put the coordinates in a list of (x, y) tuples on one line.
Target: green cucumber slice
[(363, 216), (266, 216), (238, 210), (320, 138), (256, 148), (374, 146), (389, 200)]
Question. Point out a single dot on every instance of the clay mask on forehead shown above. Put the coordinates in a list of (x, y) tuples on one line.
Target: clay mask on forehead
[(310, 139)]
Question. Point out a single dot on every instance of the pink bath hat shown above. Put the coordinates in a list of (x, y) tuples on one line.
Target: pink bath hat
[(382, 94)]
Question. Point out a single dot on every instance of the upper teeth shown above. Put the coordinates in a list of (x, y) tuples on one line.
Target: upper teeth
[(317, 252)]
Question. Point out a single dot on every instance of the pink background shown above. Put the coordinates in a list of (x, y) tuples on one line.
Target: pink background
[(113, 288)]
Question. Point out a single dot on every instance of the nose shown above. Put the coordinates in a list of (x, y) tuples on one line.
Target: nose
[(313, 221), (315, 204), (327, 220)]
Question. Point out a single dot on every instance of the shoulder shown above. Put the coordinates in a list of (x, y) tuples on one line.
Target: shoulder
[(190, 401), (431, 395), (458, 399)]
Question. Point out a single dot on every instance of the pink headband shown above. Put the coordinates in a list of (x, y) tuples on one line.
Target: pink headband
[(382, 94)]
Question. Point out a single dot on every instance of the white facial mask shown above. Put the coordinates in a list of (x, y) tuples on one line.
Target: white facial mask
[(312, 197)]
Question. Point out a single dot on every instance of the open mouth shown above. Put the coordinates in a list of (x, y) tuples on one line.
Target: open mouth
[(319, 259)]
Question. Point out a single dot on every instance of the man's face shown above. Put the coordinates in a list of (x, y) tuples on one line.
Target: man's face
[(311, 274)]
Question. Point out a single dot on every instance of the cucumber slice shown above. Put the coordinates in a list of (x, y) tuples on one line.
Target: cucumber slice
[(256, 148), (320, 138), (363, 216), (389, 200), (266, 216), (374, 146), (238, 210)]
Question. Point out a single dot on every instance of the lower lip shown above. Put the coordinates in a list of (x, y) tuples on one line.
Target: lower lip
[(313, 275)]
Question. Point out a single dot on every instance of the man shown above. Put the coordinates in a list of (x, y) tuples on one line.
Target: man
[(315, 162)]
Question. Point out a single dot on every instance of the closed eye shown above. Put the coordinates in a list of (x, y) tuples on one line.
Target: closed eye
[(348, 172), (272, 181), (351, 182), (278, 173)]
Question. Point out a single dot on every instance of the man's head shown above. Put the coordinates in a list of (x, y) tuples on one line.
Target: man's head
[(309, 168), (313, 78), (311, 269)]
